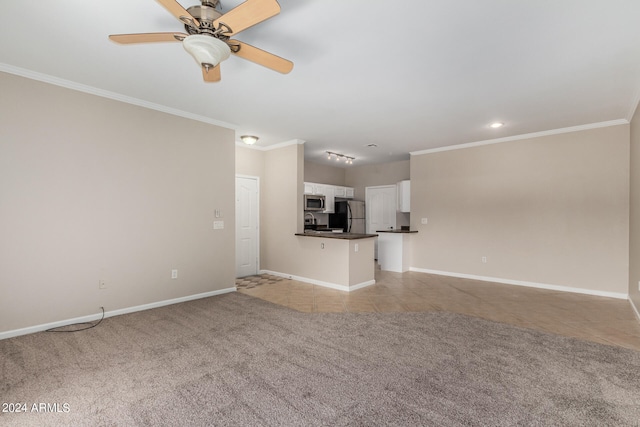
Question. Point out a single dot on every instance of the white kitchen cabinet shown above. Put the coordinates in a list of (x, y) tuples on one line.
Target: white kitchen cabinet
[(404, 196), (309, 188), (314, 188), (349, 192), (344, 192), (329, 199)]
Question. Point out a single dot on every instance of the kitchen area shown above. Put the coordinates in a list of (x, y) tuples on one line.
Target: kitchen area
[(335, 226), (334, 234)]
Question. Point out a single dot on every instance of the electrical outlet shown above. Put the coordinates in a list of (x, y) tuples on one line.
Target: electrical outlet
[(218, 225), (424, 220), (356, 248), (174, 274), (102, 284), (484, 259)]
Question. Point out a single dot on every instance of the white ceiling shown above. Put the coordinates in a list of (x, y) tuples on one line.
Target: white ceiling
[(406, 75)]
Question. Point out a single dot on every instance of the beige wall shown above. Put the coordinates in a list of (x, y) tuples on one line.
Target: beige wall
[(249, 161), (280, 171), (281, 215), (634, 215), (390, 173), (325, 260), (94, 189), (361, 261), (551, 210), (324, 173)]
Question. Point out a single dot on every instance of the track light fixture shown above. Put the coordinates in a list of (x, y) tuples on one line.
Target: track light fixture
[(347, 159)]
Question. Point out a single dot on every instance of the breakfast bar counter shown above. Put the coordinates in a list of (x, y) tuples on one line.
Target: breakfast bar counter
[(343, 261), (332, 235)]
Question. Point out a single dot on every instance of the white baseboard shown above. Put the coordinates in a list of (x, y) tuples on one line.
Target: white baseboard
[(94, 317), (635, 308), (320, 282), (524, 283)]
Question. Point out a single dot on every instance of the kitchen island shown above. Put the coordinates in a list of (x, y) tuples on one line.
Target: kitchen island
[(343, 261), (394, 250)]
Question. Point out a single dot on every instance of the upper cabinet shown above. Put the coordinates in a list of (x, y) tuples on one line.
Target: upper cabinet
[(329, 199), (404, 196), (312, 188), (344, 192), (349, 192), (308, 188)]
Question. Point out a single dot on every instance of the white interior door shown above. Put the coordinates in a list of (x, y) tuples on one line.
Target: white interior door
[(247, 226), (380, 203)]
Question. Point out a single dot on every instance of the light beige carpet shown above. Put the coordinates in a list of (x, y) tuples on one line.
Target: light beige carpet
[(237, 360)]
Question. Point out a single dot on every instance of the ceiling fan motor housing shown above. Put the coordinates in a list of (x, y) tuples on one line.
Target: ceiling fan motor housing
[(205, 15)]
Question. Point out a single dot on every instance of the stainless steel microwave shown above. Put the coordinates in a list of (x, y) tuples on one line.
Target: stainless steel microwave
[(313, 202)]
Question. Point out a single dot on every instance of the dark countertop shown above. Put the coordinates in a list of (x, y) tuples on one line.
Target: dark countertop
[(331, 235), (396, 231)]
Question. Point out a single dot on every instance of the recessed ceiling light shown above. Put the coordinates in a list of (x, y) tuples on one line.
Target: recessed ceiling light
[(496, 125)]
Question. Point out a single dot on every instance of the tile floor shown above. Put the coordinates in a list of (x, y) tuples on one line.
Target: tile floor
[(604, 320)]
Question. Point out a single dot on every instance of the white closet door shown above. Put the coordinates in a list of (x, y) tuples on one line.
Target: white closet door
[(247, 238)]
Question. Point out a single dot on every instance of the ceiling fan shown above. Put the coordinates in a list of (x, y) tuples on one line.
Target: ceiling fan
[(209, 34)]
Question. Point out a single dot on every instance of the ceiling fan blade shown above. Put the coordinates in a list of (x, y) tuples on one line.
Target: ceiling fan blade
[(247, 14), (211, 75), (179, 12), (147, 37), (263, 58)]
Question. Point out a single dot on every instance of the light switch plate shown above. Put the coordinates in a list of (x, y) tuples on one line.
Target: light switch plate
[(424, 220)]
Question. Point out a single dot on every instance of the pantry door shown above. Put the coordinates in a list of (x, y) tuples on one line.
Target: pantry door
[(247, 226)]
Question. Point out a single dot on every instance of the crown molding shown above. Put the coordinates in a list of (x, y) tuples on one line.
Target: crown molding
[(45, 78), (523, 136), (270, 147), (632, 109)]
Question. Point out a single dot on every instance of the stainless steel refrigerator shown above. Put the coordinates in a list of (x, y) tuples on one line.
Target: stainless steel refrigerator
[(349, 215)]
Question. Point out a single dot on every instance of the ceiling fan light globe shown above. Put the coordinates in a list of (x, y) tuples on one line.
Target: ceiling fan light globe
[(206, 49)]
